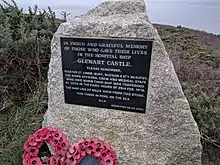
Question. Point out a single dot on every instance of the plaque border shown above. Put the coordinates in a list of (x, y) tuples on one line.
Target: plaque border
[(110, 38)]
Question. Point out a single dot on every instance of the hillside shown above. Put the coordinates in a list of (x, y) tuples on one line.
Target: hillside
[(24, 61), (196, 58)]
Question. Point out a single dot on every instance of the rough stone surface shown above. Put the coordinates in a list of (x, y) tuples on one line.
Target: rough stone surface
[(166, 135)]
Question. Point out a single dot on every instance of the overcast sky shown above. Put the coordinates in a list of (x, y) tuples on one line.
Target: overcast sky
[(197, 14)]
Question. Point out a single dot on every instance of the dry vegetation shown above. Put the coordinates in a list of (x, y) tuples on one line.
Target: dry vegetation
[(24, 58), (196, 57)]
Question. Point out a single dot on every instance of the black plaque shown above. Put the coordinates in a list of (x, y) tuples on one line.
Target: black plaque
[(107, 73)]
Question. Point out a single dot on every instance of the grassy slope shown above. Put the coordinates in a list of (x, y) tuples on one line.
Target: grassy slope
[(196, 58), (18, 123)]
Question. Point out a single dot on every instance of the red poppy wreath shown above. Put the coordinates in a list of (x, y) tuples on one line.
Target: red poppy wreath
[(92, 147), (51, 136), (64, 153)]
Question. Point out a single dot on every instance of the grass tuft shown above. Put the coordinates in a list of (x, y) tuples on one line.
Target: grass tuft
[(18, 123)]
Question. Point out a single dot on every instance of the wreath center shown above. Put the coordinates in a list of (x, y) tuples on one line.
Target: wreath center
[(89, 160)]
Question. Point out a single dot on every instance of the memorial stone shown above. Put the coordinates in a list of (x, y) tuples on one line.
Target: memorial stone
[(111, 78)]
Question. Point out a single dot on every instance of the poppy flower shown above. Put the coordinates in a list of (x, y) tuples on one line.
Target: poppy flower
[(98, 152), (57, 135), (94, 147), (99, 143), (25, 162), (35, 161), (39, 145), (58, 160), (42, 133), (51, 160), (34, 151), (80, 141), (54, 143), (52, 136), (91, 149), (83, 151), (77, 155), (48, 160), (71, 161), (107, 146), (65, 140), (74, 149), (25, 156), (29, 155), (31, 141), (113, 153), (60, 144), (68, 155), (108, 160), (26, 146)]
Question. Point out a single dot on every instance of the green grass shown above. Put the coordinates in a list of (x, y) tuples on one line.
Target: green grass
[(186, 44), (18, 123), (206, 112)]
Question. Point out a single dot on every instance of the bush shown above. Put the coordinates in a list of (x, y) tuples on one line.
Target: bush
[(24, 60), (206, 113), (25, 51)]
